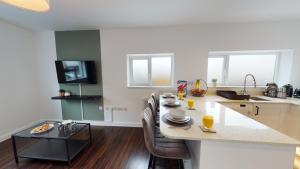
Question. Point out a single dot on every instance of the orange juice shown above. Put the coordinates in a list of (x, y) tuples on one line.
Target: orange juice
[(208, 121), (191, 103), (180, 96)]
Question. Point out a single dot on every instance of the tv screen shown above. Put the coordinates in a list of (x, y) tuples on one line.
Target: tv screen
[(76, 72)]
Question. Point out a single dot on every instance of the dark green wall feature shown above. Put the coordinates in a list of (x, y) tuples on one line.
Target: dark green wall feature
[(81, 45), (71, 109)]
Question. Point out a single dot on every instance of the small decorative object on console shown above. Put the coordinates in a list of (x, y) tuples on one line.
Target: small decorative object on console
[(67, 126), (61, 92), (67, 93)]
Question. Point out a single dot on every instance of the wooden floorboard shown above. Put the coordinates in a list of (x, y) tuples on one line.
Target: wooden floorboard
[(112, 148)]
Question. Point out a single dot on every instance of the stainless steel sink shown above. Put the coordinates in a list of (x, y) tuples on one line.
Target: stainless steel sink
[(258, 99)]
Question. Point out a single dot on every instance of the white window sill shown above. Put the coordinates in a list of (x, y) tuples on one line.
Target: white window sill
[(223, 86), (152, 87)]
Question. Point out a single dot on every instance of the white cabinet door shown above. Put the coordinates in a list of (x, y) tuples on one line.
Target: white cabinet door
[(243, 108), (291, 123), (272, 115)]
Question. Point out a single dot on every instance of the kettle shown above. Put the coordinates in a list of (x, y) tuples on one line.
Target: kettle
[(289, 90)]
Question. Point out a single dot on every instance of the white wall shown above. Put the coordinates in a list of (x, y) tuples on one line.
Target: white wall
[(191, 45), (46, 74), (26, 99), (19, 91)]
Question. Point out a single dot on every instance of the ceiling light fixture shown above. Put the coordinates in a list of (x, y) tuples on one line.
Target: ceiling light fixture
[(33, 5)]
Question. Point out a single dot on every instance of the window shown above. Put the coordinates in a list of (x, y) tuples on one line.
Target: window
[(215, 69), (152, 70), (230, 68)]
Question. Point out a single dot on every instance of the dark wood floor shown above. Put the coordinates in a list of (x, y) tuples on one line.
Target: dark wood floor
[(112, 148)]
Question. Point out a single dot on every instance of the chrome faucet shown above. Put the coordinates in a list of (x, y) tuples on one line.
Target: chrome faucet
[(245, 83)]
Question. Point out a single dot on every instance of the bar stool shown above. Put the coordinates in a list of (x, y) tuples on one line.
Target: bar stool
[(153, 107), (162, 147)]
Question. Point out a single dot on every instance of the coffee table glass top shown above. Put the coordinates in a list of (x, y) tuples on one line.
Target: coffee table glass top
[(57, 132)]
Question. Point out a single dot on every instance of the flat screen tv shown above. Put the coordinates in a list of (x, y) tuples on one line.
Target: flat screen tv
[(76, 71)]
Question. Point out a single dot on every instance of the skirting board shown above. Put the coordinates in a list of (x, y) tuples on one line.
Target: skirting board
[(94, 123), (108, 123), (104, 123)]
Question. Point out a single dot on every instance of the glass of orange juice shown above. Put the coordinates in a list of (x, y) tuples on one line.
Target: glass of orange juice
[(208, 121), (180, 95), (191, 103)]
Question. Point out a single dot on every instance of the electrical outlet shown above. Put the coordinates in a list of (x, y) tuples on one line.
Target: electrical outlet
[(100, 108)]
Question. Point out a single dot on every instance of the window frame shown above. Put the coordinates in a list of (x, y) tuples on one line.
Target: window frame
[(226, 56), (148, 57)]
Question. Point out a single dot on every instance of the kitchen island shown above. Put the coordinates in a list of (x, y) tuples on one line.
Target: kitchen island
[(240, 142)]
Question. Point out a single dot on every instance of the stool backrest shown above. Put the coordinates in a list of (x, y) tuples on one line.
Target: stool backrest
[(148, 127), (153, 95), (152, 105)]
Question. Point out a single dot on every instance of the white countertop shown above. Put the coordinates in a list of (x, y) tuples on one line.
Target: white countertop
[(229, 124), (294, 101)]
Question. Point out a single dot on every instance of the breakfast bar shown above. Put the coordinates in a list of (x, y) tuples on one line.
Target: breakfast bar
[(239, 142)]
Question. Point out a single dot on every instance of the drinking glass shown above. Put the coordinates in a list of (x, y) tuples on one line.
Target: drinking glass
[(191, 103), (208, 121)]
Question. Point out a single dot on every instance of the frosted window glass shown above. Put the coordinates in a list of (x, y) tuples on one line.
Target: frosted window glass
[(261, 66), (161, 71), (215, 69), (140, 71)]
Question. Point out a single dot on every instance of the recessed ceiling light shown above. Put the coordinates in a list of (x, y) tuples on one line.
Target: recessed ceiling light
[(33, 5)]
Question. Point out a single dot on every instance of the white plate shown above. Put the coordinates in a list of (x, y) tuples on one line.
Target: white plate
[(172, 96), (50, 127), (175, 104), (184, 120)]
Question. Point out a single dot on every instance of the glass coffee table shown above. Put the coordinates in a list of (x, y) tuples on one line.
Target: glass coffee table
[(58, 144)]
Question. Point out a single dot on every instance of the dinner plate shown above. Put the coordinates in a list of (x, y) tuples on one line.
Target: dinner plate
[(184, 120), (175, 104)]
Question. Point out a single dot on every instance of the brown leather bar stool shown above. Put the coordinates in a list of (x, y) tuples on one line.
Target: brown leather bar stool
[(162, 147), (149, 112)]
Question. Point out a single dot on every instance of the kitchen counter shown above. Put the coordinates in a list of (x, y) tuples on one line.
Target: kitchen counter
[(288, 100), (229, 124), (240, 142)]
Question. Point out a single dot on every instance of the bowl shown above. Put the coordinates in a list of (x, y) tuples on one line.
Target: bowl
[(170, 100), (177, 113), (168, 94)]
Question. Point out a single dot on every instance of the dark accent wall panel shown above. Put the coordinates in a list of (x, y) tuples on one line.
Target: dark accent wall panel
[(81, 45)]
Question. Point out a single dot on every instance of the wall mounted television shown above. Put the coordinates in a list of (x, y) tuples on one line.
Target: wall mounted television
[(72, 71)]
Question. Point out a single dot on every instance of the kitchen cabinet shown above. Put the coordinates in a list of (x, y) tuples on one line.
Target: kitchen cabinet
[(291, 123), (243, 108), (282, 117), (272, 115)]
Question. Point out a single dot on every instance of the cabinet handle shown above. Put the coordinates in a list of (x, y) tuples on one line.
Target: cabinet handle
[(257, 110), (242, 105)]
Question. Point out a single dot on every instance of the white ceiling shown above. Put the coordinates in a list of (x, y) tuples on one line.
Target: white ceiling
[(89, 14)]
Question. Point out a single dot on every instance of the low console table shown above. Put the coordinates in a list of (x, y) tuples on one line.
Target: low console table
[(57, 144)]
